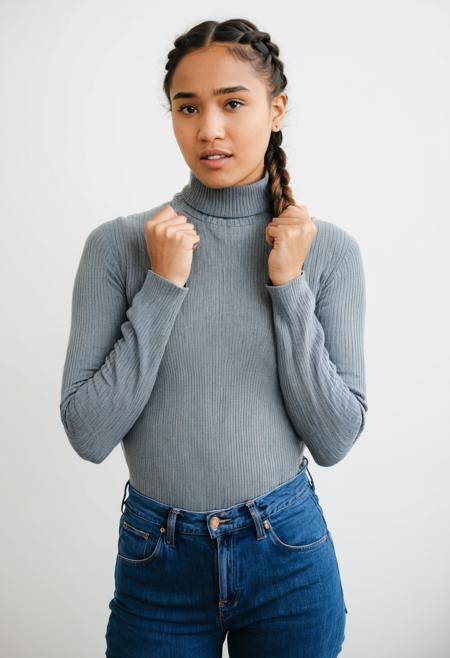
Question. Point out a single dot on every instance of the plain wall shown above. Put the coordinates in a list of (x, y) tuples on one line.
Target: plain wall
[(86, 137)]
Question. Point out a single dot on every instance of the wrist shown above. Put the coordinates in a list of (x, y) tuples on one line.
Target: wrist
[(282, 281)]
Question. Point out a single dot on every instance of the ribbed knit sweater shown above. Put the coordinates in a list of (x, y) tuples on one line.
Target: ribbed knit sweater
[(214, 389)]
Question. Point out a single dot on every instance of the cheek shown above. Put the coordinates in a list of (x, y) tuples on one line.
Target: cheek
[(181, 132), (185, 144), (255, 128), (254, 138)]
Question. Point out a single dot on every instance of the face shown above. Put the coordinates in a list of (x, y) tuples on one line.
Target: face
[(238, 122)]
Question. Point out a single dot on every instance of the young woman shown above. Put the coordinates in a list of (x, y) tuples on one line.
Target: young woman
[(214, 337)]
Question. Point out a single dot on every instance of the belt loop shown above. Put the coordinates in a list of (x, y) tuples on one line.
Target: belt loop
[(124, 494), (171, 520), (310, 476), (260, 534)]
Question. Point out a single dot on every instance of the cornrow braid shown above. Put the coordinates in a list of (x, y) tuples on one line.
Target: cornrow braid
[(252, 45)]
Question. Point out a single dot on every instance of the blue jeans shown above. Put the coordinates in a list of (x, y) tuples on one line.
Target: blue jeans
[(262, 573)]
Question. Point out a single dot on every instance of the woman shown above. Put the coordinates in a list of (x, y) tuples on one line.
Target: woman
[(214, 337)]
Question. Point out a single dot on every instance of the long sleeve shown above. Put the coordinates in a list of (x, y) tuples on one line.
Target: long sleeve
[(320, 356), (113, 352)]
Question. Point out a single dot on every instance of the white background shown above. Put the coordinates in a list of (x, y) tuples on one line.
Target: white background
[(86, 137)]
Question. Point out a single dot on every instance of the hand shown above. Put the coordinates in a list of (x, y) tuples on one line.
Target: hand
[(290, 235), (171, 241)]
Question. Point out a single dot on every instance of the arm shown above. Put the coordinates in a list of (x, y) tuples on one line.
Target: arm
[(320, 354), (109, 373)]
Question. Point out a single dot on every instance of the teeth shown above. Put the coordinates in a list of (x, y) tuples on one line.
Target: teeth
[(215, 157)]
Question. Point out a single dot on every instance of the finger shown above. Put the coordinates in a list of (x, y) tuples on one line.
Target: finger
[(273, 231), (166, 213), (279, 221), (294, 211)]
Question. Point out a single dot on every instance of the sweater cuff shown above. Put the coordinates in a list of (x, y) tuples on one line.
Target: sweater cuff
[(294, 296), (156, 287)]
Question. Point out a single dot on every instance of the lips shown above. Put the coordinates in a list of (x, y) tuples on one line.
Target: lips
[(205, 154)]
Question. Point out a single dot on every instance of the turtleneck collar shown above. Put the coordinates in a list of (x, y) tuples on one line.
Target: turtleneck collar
[(237, 202)]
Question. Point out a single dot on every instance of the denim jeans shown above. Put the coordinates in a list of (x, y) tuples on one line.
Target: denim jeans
[(262, 573)]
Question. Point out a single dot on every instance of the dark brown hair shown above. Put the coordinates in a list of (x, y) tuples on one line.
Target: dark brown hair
[(248, 44)]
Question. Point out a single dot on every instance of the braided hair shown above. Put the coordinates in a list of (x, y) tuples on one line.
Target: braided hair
[(248, 44)]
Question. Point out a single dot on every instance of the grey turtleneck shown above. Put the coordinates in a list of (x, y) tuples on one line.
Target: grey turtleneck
[(213, 390)]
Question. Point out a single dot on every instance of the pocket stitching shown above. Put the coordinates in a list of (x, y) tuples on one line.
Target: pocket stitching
[(125, 526), (304, 547), (141, 533), (149, 558)]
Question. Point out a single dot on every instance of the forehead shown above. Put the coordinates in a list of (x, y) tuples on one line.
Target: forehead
[(204, 70)]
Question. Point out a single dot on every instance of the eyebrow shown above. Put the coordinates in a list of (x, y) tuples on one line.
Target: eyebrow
[(216, 92)]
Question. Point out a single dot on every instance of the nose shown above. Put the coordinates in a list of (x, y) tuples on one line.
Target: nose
[(211, 127)]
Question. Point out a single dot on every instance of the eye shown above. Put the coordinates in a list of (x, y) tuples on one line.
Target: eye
[(234, 101), (183, 107)]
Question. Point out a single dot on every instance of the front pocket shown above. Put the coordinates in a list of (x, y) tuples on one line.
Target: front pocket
[(298, 527), (294, 547), (138, 545)]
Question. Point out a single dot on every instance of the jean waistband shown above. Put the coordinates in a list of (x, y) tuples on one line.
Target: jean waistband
[(223, 520)]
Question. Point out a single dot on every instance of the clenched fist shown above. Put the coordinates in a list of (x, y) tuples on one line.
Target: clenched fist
[(290, 235), (171, 241)]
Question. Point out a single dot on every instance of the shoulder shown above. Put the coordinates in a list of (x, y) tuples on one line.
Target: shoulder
[(124, 228), (123, 236), (331, 248)]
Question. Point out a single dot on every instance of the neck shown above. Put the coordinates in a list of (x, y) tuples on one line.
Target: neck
[(234, 201)]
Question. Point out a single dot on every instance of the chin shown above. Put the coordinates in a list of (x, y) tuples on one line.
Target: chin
[(216, 178)]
